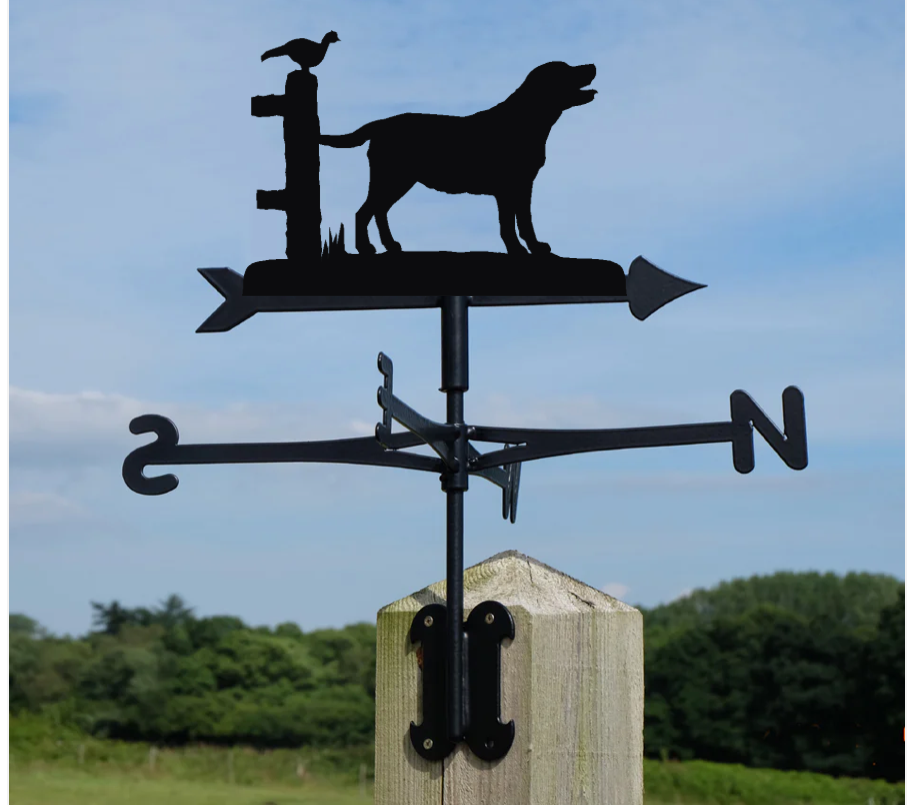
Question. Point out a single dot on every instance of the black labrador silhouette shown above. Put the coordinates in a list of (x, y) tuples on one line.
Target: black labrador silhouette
[(497, 152)]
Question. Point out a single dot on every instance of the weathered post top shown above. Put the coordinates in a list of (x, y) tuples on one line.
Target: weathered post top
[(572, 684)]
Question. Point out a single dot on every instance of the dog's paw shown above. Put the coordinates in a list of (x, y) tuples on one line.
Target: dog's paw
[(394, 246), (365, 248), (539, 247)]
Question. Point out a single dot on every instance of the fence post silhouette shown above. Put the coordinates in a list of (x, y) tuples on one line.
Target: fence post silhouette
[(572, 682), (301, 198)]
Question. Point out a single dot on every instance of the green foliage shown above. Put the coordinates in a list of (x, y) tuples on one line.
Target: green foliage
[(760, 673), (789, 671), (36, 743), (852, 602), (881, 705), (25, 626), (702, 782), (164, 675)]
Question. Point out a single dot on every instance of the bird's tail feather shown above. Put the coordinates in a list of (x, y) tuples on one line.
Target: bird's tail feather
[(275, 52), (358, 137)]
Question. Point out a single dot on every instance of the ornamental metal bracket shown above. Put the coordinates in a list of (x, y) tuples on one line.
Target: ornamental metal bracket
[(488, 737)]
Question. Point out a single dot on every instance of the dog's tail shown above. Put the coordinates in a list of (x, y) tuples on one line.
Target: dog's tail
[(358, 137)]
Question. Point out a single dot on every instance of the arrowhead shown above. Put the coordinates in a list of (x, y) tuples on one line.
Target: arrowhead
[(649, 288), (235, 309)]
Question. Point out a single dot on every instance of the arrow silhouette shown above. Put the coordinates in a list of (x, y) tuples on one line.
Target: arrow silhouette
[(647, 289)]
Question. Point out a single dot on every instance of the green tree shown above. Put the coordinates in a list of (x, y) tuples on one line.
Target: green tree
[(25, 626), (853, 601), (766, 688), (112, 618), (789, 671), (881, 694)]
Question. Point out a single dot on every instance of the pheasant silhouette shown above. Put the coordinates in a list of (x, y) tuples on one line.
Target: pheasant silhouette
[(304, 52)]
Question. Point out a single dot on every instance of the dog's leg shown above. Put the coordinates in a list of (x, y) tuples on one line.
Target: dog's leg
[(363, 216), (526, 225), (394, 191), (507, 225)]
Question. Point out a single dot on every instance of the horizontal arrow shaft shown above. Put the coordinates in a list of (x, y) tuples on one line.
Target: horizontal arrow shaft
[(646, 289), (497, 301), (534, 444)]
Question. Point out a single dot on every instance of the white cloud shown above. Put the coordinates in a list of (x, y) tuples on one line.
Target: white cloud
[(43, 508), (615, 590), (691, 482), (579, 411), (360, 427), (86, 428)]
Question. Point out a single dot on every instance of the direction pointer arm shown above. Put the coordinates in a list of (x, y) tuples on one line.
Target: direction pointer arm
[(165, 450), (534, 444), (746, 415)]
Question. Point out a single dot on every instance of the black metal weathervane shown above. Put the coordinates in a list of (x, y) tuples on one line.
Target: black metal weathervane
[(496, 152)]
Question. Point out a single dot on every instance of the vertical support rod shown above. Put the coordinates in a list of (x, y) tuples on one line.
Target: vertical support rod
[(455, 381)]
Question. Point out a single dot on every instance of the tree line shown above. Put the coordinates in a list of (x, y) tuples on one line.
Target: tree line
[(787, 671)]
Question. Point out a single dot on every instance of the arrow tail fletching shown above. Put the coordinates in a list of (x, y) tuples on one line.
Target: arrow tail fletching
[(235, 309)]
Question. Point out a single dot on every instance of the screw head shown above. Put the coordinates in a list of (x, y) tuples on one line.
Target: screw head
[(427, 744), (428, 622), (490, 618)]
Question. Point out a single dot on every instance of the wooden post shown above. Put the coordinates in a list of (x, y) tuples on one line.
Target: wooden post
[(303, 191), (301, 198), (572, 681)]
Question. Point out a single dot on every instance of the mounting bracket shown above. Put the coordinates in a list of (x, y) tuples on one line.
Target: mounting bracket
[(488, 737)]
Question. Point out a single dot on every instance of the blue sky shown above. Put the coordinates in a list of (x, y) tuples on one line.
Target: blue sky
[(753, 146)]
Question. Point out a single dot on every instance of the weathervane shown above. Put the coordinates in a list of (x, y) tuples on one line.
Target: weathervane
[(496, 152)]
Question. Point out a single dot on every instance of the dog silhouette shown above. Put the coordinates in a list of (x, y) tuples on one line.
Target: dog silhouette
[(497, 152)]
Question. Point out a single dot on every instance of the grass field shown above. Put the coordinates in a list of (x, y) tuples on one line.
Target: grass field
[(57, 787), (53, 765), (39, 785)]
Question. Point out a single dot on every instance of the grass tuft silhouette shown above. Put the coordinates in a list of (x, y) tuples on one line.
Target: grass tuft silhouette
[(333, 246)]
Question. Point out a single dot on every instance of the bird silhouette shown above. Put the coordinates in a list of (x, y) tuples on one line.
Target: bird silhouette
[(304, 52)]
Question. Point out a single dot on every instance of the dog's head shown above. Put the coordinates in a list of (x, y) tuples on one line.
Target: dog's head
[(559, 85)]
